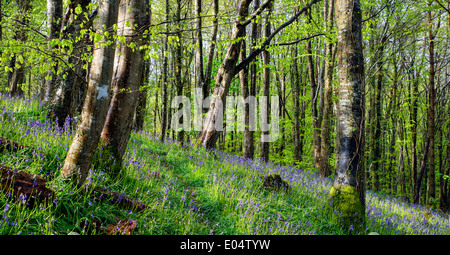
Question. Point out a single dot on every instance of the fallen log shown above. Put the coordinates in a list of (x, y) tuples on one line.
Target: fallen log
[(28, 189), (9, 145)]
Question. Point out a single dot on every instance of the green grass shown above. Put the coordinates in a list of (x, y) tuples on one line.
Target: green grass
[(186, 190)]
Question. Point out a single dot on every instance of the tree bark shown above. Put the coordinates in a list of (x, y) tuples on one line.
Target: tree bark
[(348, 187), (295, 83), (327, 114), (199, 51), (264, 155), (18, 75), (208, 136), (128, 65), (431, 103), (142, 101), (228, 69), (54, 18), (247, 144), (81, 151), (314, 96), (69, 95), (212, 47), (165, 78)]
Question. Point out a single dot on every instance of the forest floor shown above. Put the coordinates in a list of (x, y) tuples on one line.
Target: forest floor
[(167, 189)]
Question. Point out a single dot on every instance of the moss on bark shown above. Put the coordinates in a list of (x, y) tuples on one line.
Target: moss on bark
[(346, 209)]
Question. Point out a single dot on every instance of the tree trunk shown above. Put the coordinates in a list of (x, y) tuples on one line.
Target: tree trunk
[(295, 83), (247, 146), (348, 187), (225, 73), (165, 78), (142, 101), (423, 165), (69, 95), (128, 65), (178, 66), (431, 133), (54, 17), (199, 51), (327, 114), (252, 89), (414, 92), (212, 46), (18, 75), (314, 96), (264, 155), (81, 151)]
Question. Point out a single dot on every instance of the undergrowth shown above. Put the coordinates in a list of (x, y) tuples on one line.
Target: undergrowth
[(185, 190)]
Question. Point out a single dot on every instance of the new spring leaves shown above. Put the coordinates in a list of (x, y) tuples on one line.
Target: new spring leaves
[(234, 111)]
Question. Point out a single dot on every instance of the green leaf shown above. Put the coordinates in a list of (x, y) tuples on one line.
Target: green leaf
[(78, 9)]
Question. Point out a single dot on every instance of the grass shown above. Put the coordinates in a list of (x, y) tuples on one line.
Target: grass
[(186, 190)]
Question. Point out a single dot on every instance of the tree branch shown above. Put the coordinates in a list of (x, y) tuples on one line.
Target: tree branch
[(257, 12), (266, 43), (297, 41), (439, 3)]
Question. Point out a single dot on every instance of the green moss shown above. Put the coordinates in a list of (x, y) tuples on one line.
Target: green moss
[(346, 209)]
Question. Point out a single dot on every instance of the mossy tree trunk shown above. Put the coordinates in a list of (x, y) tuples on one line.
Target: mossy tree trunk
[(126, 81), (79, 157), (347, 193)]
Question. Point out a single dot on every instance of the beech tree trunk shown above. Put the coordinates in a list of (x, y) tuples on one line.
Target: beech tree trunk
[(212, 47), (226, 72), (348, 192), (295, 83), (264, 155), (199, 51), (431, 103), (54, 18), (247, 144), (164, 80), (81, 151), (126, 80), (314, 96), (248, 135), (18, 75), (327, 114), (228, 69), (68, 97)]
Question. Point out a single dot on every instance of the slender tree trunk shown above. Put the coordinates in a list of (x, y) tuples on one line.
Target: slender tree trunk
[(295, 83), (314, 97), (266, 90), (212, 47), (327, 114), (348, 187), (253, 78), (18, 75), (413, 122), (247, 146), (377, 157), (165, 78), (431, 103), (54, 17), (142, 101), (81, 151), (421, 173), (178, 66), (199, 51)]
